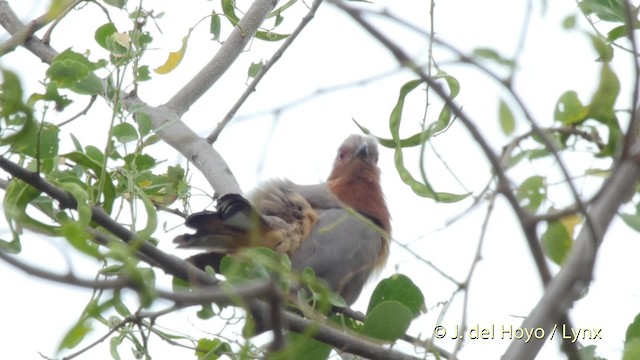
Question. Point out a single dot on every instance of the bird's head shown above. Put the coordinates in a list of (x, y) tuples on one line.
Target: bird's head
[(357, 156)]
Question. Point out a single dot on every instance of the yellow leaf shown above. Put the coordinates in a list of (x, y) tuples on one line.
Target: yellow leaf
[(570, 222), (174, 58)]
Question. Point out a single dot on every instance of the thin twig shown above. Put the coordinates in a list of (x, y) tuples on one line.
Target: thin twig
[(263, 71), (546, 140), (338, 338), (84, 111), (229, 51), (47, 35), (68, 279), (428, 263), (525, 219), (503, 184), (467, 282)]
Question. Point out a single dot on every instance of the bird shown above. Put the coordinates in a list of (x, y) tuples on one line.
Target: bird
[(339, 228)]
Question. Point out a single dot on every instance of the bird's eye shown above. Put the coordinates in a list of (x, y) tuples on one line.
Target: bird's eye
[(342, 154)]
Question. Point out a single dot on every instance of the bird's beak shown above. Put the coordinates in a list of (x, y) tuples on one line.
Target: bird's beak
[(363, 151)]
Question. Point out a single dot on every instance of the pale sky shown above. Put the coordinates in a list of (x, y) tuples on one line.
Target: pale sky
[(300, 144)]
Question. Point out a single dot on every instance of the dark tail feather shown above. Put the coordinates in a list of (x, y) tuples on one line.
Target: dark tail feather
[(226, 228), (202, 260)]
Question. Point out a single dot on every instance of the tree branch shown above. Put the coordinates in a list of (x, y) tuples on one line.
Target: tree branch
[(503, 186), (170, 263), (577, 271), (69, 278), (168, 126), (10, 21), (254, 83), (229, 51), (526, 220), (178, 267)]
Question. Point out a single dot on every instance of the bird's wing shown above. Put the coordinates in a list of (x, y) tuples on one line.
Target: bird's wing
[(342, 249), (277, 218), (317, 195), (223, 229)]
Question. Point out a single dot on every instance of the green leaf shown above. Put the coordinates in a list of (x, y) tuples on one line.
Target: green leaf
[(507, 120), (631, 350), (112, 270), (588, 353), (90, 85), (279, 19), (77, 236), (337, 301), (151, 215), (38, 142), (569, 22), (114, 342), (632, 220), (118, 45), (249, 264), (228, 8), (164, 189), (125, 133), (14, 112), (57, 7), (12, 246), (633, 330), (117, 3), (445, 116), (604, 99), (569, 110), (399, 288), (421, 189), (141, 162), (346, 322), (412, 141), (270, 36), (75, 335), (51, 94), (493, 55), (210, 349), (18, 196), (10, 94), (103, 33), (278, 12), (74, 229), (140, 40), (94, 154), (301, 346), (604, 49), (206, 312), (616, 33), (607, 10), (108, 187), (436, 128), (74, 71), (254, 69), (387, 321), (144, 123), (556, 242), (215, 26), (179, 284), (143, 73), (532, 192)]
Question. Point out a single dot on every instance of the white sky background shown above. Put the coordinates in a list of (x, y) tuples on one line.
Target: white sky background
[(332, 50)]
